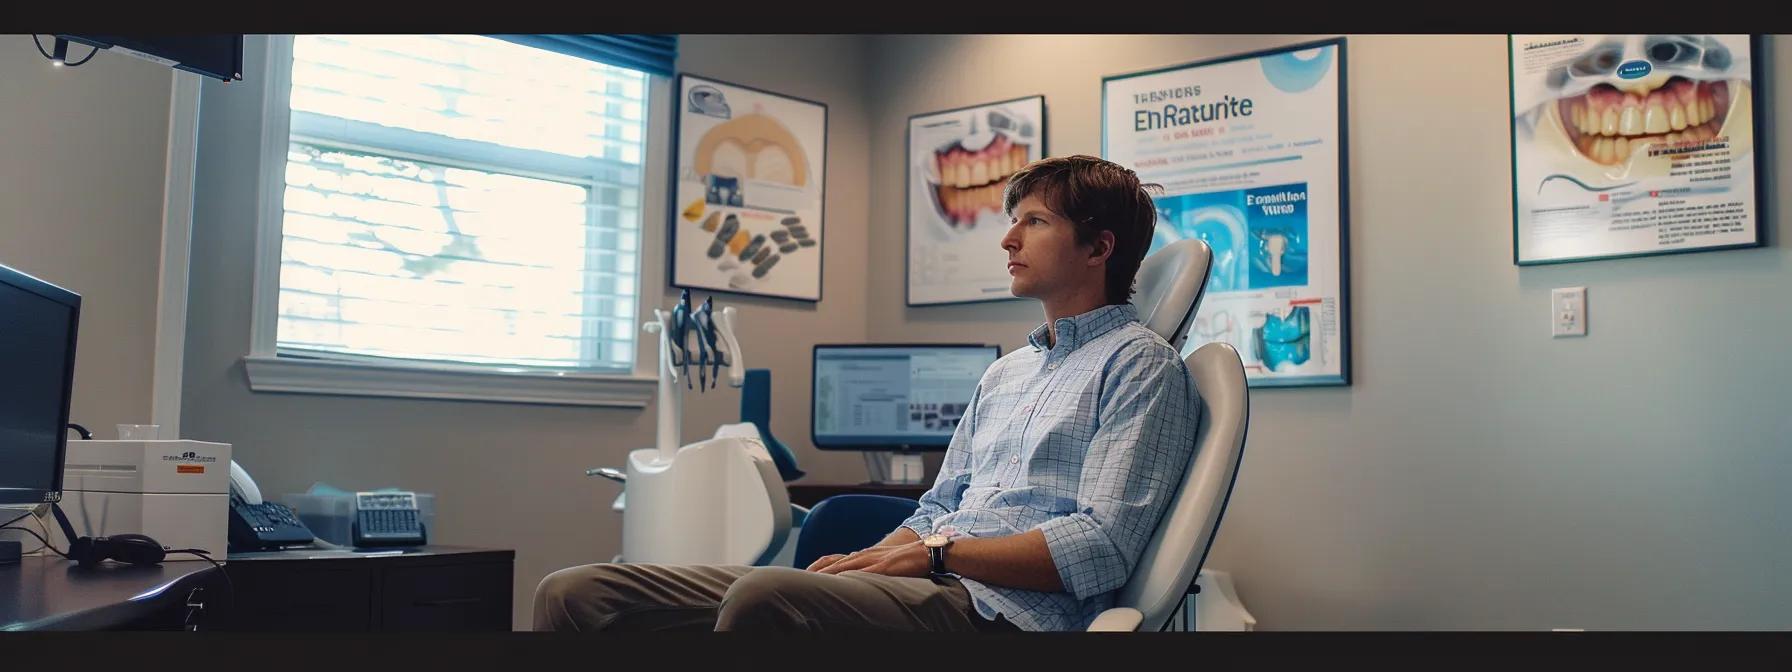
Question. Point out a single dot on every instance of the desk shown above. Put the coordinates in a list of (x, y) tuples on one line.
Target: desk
[(50, 593), (809, 494), (429, 588)]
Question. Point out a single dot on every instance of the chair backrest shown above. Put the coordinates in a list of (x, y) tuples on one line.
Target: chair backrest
[(1170, 284), (846, 523), (1173, 559)]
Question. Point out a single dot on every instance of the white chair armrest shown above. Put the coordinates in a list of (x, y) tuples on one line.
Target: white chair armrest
[(1120, 619)]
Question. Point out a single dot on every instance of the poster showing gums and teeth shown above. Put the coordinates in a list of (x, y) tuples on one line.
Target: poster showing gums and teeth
[(1630, 145), (748, 190), (1250, 153), (959, 162)]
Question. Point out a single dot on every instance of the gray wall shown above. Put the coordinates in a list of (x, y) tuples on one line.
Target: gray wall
[(83, 154), (1478, 475), (506, 475)]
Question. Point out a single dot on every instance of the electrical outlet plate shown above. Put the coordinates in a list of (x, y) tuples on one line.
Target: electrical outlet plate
[(1568, 312)]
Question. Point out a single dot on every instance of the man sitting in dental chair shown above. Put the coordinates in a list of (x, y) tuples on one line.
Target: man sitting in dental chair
[(1052, 484)]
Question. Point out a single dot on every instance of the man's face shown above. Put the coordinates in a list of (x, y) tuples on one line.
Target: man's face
[(1044, 259)]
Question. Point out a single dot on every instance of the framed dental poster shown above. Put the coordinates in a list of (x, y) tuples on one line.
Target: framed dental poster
[(957, 166), (1633, 145), (749, 177), (1251, 153)]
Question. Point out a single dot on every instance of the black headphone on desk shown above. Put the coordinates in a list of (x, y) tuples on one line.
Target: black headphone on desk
[(135, 549)]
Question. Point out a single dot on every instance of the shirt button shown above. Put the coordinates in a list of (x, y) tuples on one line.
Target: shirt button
[(1052, 366), (1014, 460)]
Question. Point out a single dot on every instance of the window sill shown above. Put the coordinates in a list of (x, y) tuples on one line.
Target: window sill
[(425, 381)]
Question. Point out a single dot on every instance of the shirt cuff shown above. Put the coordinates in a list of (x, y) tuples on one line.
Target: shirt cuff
[(1082, 553), (921, 524)]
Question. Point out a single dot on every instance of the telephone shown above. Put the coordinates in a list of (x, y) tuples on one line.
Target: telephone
[(257, 525)]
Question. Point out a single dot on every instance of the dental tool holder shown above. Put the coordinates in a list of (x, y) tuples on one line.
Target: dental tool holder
[(671, 399)]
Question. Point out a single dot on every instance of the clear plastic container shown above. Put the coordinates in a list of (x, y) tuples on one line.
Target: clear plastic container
[(139, 432), (332, 517)]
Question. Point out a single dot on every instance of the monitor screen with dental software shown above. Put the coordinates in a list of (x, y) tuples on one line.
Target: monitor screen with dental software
[(893, 397)]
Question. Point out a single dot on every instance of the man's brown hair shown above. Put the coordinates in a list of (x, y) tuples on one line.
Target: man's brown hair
[(1096, 195)]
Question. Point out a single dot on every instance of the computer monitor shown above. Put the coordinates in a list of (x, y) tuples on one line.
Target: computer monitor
[(893, 397), (37, 356)]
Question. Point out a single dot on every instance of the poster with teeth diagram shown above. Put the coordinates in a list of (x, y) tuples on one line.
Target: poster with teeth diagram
[(1633, 145), (749, 183), (1250, 152), (958, 164)]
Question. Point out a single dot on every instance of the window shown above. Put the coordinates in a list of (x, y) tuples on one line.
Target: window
[(454, 202)]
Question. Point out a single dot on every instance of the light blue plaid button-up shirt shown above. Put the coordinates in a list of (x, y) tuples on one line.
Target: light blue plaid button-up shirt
[(1086, 441)]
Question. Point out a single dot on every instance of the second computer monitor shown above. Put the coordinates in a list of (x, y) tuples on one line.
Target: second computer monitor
[(38, 321), (893, 397)]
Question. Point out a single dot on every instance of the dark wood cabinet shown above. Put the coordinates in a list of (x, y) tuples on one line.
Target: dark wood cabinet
[(432, 588)]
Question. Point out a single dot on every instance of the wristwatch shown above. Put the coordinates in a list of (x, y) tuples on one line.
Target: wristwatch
[(936, 549)]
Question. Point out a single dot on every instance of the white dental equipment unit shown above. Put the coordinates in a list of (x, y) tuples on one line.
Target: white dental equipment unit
[(716, 501)]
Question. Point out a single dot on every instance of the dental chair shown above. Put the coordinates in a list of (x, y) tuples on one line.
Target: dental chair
[(1168, 569), (1171, 283)]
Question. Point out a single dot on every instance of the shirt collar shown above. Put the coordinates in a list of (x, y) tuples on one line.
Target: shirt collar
[(1075, 331)]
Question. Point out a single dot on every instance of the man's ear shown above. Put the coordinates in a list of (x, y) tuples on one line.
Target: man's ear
[(1102, 249)]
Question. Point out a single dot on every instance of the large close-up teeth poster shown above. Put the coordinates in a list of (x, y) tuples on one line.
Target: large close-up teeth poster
[(1627, 145), (958, 165), (1250, 151)]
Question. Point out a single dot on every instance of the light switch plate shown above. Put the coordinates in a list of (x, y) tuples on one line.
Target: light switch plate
[(1568, 312)]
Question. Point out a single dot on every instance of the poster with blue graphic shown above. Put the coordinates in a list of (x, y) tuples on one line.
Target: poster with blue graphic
[(1250, 153), (1631, 145)]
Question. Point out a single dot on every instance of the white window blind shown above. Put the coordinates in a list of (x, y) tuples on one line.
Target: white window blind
[(461, 199)]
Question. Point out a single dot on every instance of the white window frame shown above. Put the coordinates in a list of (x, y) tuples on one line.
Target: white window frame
[(349, 375)]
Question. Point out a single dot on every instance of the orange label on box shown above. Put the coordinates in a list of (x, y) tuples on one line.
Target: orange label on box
[(190, 468)]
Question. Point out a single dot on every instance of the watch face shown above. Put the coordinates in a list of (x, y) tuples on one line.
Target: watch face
[(935, 540)]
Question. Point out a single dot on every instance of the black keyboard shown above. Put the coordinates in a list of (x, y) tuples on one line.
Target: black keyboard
[(387, 519), (389, 523)]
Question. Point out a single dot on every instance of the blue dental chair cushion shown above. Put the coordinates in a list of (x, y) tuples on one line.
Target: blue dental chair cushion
[(847, 523)]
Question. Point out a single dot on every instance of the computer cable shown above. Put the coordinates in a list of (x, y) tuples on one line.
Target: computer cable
[(40, 525), (230, 586), (10, 522), (61, 55), (27, 530)]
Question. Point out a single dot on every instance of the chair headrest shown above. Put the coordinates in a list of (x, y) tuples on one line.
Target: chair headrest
[(1170, 284)]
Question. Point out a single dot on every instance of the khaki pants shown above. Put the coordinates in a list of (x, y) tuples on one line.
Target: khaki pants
[(628, 597)]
